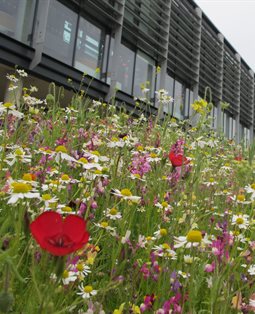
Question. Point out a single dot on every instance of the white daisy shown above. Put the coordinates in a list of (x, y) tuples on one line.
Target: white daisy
[(20, 190), (86, 291), (251, 270), (112, 213), (241, 221), (68, 276), (126, 195), (164, 250)]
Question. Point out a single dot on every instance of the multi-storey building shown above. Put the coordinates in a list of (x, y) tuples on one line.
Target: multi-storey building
[(128, 39)]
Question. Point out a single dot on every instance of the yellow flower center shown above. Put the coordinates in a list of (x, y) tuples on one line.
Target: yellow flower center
[(19, 187), (211, 180), (114, 139), (96, 153), (137, 175), (67, 209), (53, 205), (153, 155), (164, 177), (194, 236), (164, 204), (27, 177), (83, 160), (80, 267), (19, 152), (104, 224), (140, 148), (65, 177), (125, 192), (8, 105), (113, 211), (241, 197), (148, 238), (46, 197), (165, 246), (88, 289), (239, 220), (97, 171), (61, 149), (253, 186), (163, 232), (65, 274)]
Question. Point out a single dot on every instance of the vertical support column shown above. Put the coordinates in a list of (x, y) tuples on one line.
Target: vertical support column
[(116, 51), (40, 31), (163, 64), (219, 113), (238, 100), (252, 106), (196, 86)]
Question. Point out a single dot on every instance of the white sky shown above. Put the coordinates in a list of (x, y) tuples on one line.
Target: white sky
[(235, 19)]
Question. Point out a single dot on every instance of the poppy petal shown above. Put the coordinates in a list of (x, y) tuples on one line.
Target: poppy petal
[(75, 227)]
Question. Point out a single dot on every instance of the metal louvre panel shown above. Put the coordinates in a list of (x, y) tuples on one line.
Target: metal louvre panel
[(108, 10), (230, 80), (210, 72), (246, 106), (183, 50), (145, 26)]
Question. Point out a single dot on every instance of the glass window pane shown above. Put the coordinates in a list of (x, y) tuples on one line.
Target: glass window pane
[(191, 95), (169, 87), (126, 60), (16, 19), (144, 74), (104, 70), (89, 48), (60, 32), (178, 100), (187, 103)]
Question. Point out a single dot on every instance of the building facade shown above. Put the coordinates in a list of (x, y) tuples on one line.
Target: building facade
[(128, 40)]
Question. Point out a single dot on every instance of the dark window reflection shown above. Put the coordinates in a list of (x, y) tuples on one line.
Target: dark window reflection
[(178, 100), (16, 19), (60, 32), (89, 48), (144, 75)]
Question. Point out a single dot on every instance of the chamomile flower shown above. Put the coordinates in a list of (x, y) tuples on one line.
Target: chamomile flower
[(193, 238), (240, 199), (162, 232), (21, 190), (18, 155), (126, 195), (241, 221), (68, 276), (9, 108), (86, 292), (251, 270), (81, 270), (113, 213), (164, 250), (250, 189)]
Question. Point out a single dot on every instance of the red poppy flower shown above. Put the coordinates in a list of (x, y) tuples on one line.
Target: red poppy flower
[(177, 159), (57, 235), (238, 158)]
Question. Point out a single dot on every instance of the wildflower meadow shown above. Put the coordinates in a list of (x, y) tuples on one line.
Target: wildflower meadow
[(108, 211)]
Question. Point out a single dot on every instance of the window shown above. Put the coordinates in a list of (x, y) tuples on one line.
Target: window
[(89, 48), (191, 100), (144, 74), (60, 32), (169, 87), (16, 19), (178, 100)]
